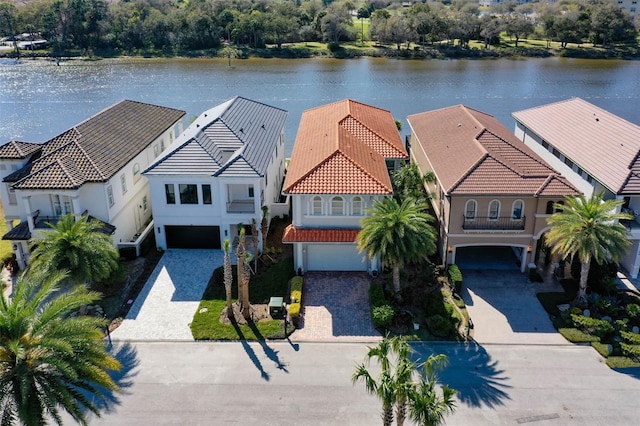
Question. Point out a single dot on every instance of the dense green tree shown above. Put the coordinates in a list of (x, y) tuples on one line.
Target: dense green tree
[(51, 361), (408, 181), (588, 228), (610, 23), (398, 233), (518, 26), (336, 24), (490, 29), (76, 246)]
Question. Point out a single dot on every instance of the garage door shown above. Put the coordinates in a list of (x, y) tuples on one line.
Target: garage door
[(489, 258), (335, 257), (193, 236)]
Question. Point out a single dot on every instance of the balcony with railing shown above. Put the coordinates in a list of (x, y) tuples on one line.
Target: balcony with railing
[(493, 224), (241, 206)]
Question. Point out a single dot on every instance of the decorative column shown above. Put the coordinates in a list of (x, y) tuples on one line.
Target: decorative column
[(75, 203), (27, 207)]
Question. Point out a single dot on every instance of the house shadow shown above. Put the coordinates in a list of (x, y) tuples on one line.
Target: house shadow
[(633, 372), (182, 274), (471, 371), (127, 355)]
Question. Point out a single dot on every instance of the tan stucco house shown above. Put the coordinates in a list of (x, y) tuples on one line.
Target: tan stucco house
[(490, 189)]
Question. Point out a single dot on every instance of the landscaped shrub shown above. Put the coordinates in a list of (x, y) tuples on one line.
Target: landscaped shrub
[(294, 311), (376, 294), (631, 338), (383, 315), (456, 278), (605, 305), (633, 311), (434, 304), (594, 326), (600, 276), (631, 351), (439, 325), (296, 289)]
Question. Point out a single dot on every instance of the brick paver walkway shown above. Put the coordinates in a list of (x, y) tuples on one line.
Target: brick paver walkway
[(336, 308)]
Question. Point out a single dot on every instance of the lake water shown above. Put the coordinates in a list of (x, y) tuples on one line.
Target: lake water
[(39, 100)]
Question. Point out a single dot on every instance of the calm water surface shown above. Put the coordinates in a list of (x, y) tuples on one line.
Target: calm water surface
[(38, 99)]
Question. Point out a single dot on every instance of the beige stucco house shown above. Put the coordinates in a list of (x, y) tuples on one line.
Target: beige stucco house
[(490, 189)]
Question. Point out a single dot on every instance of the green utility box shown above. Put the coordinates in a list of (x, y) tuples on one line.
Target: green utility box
[(276, 308)]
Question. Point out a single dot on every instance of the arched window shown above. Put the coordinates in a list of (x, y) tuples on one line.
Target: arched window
[(559, 203), (516, 210), (136, 172), (316, 206), (337, 206), (549, 207), (356, 206), (494, 209), (470, 209)]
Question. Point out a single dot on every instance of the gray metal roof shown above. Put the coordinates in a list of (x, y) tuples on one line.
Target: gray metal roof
[(235, 138)]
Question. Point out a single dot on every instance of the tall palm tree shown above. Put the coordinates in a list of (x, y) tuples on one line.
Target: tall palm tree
[(240, 252), (588, 228), (398, 233), (50, 361), (228, 278), (76, 246), (427, 406), (254, 236), (246, 277)]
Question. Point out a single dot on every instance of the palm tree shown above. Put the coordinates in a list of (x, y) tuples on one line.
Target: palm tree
[(254, 236), (426, 406), (228, 278), (398, 233), (76, 246), (396, 384), (588, 228), (246, 277), (240, 251), (409, 182), (264, 226), (50, 361)]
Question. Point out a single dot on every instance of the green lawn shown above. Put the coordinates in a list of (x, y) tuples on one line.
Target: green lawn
[(5, 246), (267, 283)]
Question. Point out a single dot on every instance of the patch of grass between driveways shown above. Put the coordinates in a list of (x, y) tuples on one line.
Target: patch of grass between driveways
[(269, 282)]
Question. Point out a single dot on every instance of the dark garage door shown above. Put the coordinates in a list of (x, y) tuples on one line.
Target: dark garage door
[(193, 236)]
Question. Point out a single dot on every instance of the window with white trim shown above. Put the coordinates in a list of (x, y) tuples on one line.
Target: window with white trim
[(136, 172), (494, 209), (337, 206), (110, 196), (356, 206), (13, 200), (516, 210), (123, 184), (145, 203), (316, 206), (470, 209)]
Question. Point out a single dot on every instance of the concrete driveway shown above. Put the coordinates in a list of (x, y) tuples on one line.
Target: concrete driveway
[(504, 308), (336, 308), (165, 307)]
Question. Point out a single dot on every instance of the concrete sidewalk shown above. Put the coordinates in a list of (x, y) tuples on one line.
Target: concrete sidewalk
[(165, 307)]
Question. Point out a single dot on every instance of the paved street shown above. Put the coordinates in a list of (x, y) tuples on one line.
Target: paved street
[(278, 383)]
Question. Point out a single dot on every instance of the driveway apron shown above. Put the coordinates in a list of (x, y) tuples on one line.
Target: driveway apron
[(336, 308), (504, 308), (165, 307)]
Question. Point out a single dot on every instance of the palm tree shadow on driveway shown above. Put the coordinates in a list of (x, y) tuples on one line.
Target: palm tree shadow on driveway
[(471, 371)]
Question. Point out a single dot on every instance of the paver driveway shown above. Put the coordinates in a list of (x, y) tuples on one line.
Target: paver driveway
[(336, 308), (504, 308), (166, 305)]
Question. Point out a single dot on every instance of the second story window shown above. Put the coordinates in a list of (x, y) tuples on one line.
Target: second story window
[(188, 193), (206, 194), (337, 206), (356, 206), (123, 184), (170, 193), (136, 172), (494, 209), (470, 210), (251, 193), (145, 204), (316, 206), (13, 200), (516, 211), (110, 196)]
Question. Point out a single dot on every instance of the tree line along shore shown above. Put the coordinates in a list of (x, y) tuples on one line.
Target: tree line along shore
[(307, 28)]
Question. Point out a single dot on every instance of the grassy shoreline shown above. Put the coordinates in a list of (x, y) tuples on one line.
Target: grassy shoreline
[(506, 49)]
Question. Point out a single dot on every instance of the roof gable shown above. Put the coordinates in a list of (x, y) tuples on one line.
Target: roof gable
[(341, 148), (472, 153), (238, 136), (603, 144), (18, 150)]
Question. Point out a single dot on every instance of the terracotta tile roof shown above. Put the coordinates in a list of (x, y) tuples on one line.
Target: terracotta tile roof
[(295, 235), (341, 149), (18, 150), (97, 148), (472, 153), (602, 143)]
